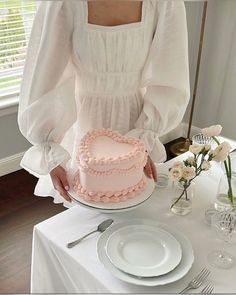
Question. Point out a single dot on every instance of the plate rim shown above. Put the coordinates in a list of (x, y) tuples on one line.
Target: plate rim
[(177, 255), (153, 281)]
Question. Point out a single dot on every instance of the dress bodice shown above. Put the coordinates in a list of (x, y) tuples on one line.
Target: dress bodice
[(110, 58)]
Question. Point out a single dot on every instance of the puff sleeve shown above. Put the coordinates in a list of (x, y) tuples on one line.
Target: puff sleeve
[(165, 77), (47, 107)]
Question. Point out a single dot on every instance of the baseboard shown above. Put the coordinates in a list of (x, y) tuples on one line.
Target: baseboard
[(10, 164)]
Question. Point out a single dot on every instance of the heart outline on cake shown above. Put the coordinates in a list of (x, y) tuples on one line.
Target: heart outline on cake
[(86, 158)]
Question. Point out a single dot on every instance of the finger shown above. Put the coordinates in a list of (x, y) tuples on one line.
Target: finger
[(64, 194), (59, 187), (55, 181), (149, 167), (64, 180), (154, 170), (148, 170)]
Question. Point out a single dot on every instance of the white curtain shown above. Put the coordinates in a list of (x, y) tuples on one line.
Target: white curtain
[(216, 94)]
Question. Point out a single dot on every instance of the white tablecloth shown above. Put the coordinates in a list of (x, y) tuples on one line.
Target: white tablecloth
[(57, 269)]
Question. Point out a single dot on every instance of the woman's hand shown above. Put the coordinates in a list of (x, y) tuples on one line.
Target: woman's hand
[(60, 182), (150, 169)]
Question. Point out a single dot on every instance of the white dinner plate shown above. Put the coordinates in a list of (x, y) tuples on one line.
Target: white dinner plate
[(177, 273), (143, 250), (120, 206)]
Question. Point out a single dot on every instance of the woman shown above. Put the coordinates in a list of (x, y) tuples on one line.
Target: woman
[(92, 64)]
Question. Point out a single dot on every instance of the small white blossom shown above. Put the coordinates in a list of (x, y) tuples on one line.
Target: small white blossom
[(188, 173), (176, 173), (205, 165), (196, 148), (213, 130), (178, 164)]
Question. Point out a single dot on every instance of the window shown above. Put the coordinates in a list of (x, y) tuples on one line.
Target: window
[(16, 19)]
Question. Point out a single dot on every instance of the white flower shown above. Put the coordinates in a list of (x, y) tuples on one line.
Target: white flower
[(207, 147), (176, 173), (190, 160), (196, 148), (221, 152), (213, 130), (188, 173), (178, 164), (205, 165)]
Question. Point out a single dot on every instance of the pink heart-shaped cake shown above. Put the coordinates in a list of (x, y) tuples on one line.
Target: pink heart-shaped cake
[(110, 166)]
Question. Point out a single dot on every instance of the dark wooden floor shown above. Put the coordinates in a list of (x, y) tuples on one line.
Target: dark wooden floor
[(20, 210)]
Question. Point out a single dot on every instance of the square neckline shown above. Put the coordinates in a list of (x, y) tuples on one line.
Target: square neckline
[(114, 27)]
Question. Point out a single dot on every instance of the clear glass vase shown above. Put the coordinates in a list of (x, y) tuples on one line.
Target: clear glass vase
[(222, 201), (181, 200)]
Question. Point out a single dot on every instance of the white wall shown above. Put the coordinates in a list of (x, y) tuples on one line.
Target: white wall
[(11, 140), (216, 95)]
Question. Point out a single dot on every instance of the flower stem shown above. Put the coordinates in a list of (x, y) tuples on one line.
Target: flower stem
[(177, 200), (216, 140), (186, 195), (229, 163), (186, 185)]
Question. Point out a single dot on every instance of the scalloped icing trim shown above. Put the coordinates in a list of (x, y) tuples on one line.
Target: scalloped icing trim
[(113, 171), (108, 197), (85, 155)]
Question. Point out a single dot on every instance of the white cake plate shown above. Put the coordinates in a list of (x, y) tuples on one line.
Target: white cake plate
[(114, 207)]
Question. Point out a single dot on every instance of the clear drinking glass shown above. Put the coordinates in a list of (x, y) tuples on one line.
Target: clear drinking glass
[(224, 224), (162, 180), (202, 139)]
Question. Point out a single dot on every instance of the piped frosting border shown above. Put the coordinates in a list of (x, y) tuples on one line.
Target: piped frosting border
[(107, 197), (87, 158), (113, 171)]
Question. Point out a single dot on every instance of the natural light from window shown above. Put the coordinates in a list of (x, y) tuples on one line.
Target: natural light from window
[(16, 18)]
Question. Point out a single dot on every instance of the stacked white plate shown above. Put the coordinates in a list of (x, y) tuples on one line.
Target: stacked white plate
[(145, 252)]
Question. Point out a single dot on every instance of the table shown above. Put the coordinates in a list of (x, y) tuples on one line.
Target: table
[(57, 269)]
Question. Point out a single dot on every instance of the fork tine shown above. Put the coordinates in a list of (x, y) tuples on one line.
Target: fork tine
[(204, 274), (212, 288), (196, 278), (196, 282), (207, 289), (200, 274)]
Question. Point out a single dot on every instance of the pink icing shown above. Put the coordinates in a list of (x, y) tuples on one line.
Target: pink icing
[(114, 170), (109, 197), (86, 157), (110, 167)]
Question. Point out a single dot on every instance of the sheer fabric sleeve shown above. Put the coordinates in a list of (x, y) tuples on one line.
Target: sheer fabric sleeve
[(47, 107), (165, 77)]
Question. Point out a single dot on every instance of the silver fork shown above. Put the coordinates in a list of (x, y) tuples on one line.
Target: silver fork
[(197, 281), (208, 289)]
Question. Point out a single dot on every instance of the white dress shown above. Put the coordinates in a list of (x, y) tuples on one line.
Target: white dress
[(133, 78)]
